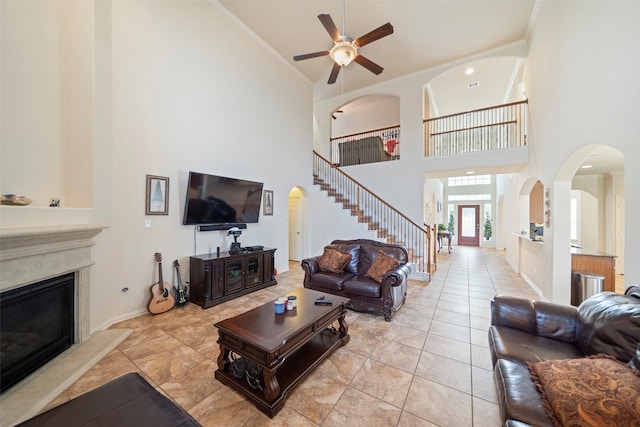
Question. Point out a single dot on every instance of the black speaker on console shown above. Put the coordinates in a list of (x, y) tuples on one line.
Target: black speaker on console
[(225, 226), (254, 248)]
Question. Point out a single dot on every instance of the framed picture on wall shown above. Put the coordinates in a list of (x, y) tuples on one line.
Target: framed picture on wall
[(157, 198), (268, 202)]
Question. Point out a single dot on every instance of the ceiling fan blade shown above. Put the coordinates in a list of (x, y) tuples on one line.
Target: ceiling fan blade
[(371, 36), (368, 64), (310, 55), (330, 26), (334, 74)]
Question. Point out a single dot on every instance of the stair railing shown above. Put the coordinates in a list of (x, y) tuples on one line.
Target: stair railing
[(388, 222)]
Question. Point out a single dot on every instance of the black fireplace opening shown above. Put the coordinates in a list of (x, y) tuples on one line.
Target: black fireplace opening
[(36, 324)]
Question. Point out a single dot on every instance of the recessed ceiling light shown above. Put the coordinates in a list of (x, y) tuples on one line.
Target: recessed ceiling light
[(586, 167), (470, 172), (469, 71)]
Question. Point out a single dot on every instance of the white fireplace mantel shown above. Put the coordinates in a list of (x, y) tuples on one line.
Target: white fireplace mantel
[(31, 254)]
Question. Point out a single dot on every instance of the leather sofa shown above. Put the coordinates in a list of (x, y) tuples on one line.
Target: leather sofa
[(524, 331), (364, 293), (127, 401)]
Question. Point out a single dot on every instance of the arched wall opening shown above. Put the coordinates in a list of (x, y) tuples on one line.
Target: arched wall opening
[(591, 203), (297, 221)]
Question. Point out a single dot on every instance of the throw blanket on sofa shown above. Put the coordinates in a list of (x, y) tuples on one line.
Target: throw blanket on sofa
[(592, 391)]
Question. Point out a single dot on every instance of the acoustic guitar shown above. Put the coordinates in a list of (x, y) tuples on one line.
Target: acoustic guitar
[(161, 299), (181, 293)]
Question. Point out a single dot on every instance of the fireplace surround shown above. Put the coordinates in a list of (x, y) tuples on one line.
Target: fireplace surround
[(32, 254)]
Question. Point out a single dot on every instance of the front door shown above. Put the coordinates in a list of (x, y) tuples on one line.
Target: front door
[(468, 225)]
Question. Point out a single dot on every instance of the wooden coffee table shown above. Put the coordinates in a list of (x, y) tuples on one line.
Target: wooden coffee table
[(264, 355)]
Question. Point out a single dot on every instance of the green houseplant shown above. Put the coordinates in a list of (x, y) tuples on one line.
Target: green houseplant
[(487, 227), (451, 225)]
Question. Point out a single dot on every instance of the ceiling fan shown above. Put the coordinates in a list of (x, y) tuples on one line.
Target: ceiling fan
[(345, 49)]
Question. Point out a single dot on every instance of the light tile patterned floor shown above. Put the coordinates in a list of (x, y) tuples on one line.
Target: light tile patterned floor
[(430, 366)]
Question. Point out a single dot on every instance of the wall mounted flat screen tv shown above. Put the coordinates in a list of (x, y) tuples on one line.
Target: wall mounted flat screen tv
[(213, 199)]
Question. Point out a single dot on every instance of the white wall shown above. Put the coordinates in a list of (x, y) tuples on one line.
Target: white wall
[(582, 68), (173, 95), (376, 113)]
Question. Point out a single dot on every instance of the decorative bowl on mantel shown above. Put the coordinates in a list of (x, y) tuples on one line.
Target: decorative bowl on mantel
[(12, 199)]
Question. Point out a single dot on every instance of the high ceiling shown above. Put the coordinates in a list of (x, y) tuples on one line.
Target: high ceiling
[(426, 33)]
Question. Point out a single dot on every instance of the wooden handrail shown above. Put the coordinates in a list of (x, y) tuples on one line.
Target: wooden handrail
[(526, 101), (362, 133), (355, 181), (473, 127)]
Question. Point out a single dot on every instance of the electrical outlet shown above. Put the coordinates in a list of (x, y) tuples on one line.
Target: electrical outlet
[(147, 223)]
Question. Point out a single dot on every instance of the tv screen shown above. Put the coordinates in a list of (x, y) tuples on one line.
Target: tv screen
[(213, 199)]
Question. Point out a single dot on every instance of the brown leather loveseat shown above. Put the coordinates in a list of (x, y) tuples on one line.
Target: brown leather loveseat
[(382, 293), (525, 332)]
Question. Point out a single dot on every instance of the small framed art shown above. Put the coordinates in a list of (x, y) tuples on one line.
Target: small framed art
[(268, 202), (157, 198)]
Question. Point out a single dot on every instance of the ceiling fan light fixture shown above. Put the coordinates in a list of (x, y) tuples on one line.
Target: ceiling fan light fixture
[(343, 53)]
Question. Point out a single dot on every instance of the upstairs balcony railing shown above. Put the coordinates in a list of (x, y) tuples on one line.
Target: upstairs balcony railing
[(492, 128), (376, 145)]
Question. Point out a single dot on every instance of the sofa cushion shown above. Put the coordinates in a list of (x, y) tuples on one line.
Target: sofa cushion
[(516, 345), (369, 252), (609, 323), (333, 260), (362, 286), (354, 250), (590, 391), (518, 397), (381, 265), (331, 281)]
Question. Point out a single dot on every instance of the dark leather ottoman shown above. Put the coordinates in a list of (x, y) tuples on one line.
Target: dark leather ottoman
[(126, 401)]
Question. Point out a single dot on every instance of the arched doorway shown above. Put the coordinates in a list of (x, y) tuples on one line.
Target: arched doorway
[(296, 224)]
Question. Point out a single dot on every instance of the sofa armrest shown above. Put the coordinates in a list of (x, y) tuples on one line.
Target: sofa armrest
[(396, 277), (539, 318), (310, 265)]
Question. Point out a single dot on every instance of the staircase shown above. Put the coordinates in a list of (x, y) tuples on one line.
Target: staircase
[(379, 216)]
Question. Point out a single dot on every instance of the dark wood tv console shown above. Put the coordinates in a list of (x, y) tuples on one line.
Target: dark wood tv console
[(219, 278)]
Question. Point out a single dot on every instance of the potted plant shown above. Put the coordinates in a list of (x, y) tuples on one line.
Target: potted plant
[(487, 227), (451, 225)]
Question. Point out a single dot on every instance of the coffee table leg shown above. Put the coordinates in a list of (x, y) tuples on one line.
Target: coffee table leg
[(223, 358), (344, 328), (271, 385)]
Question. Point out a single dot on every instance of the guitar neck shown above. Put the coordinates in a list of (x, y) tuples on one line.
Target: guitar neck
[(161, 280), (179, 283)]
